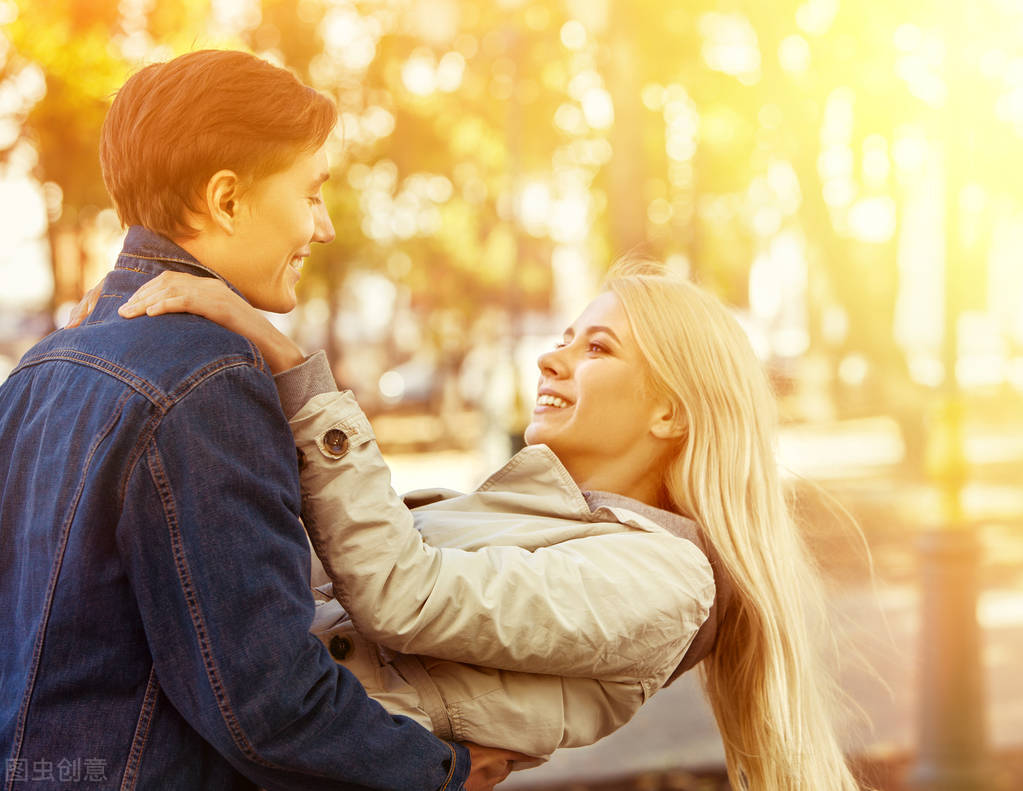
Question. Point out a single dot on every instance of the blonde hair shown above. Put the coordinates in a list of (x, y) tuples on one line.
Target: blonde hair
[(766, 683)]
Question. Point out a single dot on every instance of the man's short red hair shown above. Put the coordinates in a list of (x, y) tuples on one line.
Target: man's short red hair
[(173, 125)]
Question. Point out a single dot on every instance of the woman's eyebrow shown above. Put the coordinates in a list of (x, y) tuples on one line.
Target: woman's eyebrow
[(606, 330), (569, 334)]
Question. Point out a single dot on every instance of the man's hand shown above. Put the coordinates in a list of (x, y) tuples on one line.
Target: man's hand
[(490, 765)]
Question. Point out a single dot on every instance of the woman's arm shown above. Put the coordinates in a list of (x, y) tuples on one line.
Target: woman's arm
[(622, 606), (177, 292), (619, 607)]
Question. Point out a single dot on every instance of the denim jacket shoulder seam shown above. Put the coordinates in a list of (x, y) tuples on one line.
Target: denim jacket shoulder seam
[(151, 426), (164, 401), (137, 383), (208, 371)]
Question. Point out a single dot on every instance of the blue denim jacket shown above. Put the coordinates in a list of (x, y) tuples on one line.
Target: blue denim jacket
[(154, 572)]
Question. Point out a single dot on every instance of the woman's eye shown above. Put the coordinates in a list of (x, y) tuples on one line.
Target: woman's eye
[(597, 348)]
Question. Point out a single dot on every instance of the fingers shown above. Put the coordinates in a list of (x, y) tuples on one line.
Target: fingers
[(158, 304), (78, 314), (153, 302), (168, 292), (85, 305), (138, 302), (172, 292)]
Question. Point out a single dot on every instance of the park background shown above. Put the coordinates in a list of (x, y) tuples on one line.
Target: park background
[(845, 175)]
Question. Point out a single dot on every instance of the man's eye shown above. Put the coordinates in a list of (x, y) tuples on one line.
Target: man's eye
[(316, 200)]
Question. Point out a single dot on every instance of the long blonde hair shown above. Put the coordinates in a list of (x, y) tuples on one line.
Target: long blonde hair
[(765, 680)]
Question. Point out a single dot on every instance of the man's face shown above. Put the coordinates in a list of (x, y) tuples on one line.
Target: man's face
[(278, 218)]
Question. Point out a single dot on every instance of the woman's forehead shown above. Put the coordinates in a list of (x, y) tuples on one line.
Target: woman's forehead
[(606, 310)]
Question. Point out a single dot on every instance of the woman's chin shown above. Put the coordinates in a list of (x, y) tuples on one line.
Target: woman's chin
[(533, 435)]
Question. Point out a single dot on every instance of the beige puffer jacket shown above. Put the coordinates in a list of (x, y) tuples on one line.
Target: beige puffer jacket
[(515, 616)]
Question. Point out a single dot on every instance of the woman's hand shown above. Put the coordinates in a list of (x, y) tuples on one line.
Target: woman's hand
[(85, 305), (176, 292)]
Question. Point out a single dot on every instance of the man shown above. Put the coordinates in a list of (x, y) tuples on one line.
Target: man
[(153, 569)]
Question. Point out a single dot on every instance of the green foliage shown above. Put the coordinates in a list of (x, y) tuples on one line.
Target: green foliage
[(523, 110)]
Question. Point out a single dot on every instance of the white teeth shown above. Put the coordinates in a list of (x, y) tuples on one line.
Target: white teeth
[(549, 400)]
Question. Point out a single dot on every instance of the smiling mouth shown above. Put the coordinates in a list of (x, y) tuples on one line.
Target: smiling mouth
[(550, 400)]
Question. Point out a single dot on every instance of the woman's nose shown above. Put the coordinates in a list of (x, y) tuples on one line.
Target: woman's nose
[(552, 363)]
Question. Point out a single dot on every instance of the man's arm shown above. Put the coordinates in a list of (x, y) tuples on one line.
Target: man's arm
[(217, 556)]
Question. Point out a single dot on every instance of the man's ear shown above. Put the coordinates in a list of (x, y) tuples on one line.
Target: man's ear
[(668, 423), (222, 193)]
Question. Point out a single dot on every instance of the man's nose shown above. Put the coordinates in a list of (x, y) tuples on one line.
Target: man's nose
[(324, 228)]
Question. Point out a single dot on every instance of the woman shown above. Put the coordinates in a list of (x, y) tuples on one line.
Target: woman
[(643, 530)]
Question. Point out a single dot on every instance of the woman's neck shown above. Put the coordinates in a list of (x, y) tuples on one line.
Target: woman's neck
[(644, 487)]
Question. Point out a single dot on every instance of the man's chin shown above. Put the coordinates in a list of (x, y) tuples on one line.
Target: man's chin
[(276, 304)]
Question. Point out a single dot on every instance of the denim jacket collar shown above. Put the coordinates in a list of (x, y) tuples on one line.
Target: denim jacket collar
[(147, 251)]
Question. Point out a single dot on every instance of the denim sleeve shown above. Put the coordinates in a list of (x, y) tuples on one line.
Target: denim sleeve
[(218, 560)]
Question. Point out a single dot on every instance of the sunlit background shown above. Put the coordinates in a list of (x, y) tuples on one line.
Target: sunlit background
[(846, 175)]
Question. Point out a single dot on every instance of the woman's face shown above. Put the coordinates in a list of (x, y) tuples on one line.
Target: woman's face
[(593, 408)]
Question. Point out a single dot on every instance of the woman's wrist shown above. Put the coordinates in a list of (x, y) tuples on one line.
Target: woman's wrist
[(281, 353)]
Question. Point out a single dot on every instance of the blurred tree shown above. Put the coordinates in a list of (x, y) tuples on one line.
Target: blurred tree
[(69, 41), (81, 48), (445, 120), (488, 153)]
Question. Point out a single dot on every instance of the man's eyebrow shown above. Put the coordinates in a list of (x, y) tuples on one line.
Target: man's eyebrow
[(319, 180)]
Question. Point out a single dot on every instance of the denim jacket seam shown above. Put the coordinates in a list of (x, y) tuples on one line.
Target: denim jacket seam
[(171, 259), (208, 371), (198, 622), (451, 771), (137, 383), (152, 425), (104, 296), (165, 401), (158, 259), (141, 736), (137, 453), (51, 585)]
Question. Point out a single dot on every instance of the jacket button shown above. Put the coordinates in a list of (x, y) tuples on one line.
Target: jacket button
[(340, 647), (336, 442)]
